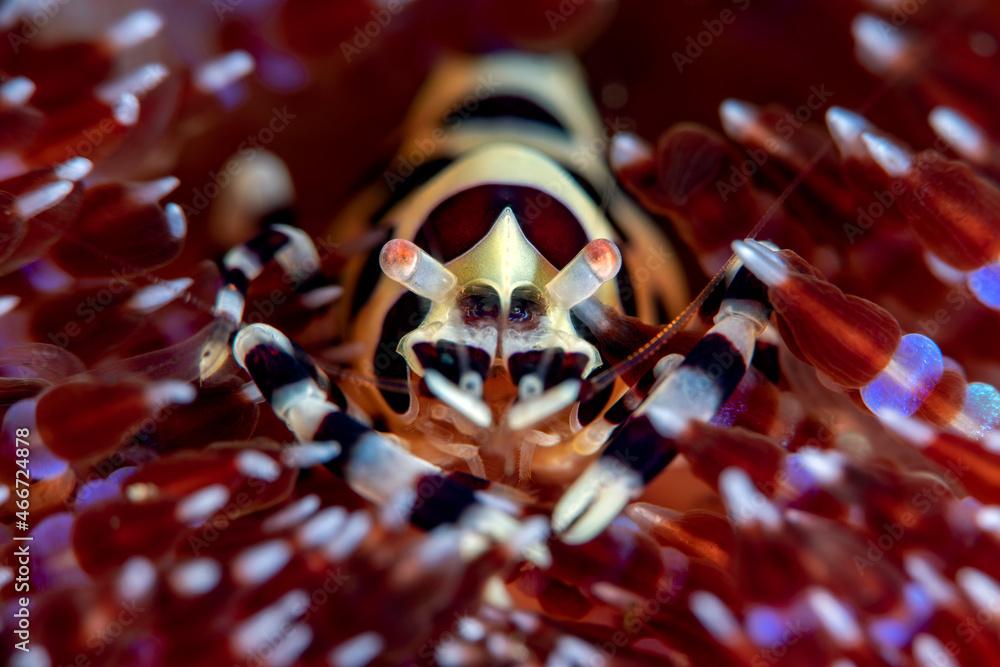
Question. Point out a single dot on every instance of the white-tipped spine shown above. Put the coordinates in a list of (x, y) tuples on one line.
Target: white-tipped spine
[(893, 158), (846, 128), (880, 46), (225, 70), (134, 29), (762, 261), (41, 199), (737, 118), (965, 137), (410, 266), (627, 149), (597, 263), (17, 91)]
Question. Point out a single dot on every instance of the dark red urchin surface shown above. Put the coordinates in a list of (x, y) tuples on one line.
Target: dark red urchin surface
[(840, 508)]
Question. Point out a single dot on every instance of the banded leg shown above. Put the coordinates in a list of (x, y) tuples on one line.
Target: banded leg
[(375, 466), (549, 373), (642, 446), (297, 256)]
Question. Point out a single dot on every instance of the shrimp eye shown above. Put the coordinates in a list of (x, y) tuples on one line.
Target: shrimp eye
[(526, 305), (518, 313), (479, 303)]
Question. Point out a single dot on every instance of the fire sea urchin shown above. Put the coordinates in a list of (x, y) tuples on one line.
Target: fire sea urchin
[(574, 333)]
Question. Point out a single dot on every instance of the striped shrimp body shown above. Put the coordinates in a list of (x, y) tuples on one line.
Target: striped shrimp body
[(507, 206), (513, 279), (496, 359)]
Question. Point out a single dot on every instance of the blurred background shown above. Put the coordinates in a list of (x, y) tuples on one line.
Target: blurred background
[(347, 71)]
